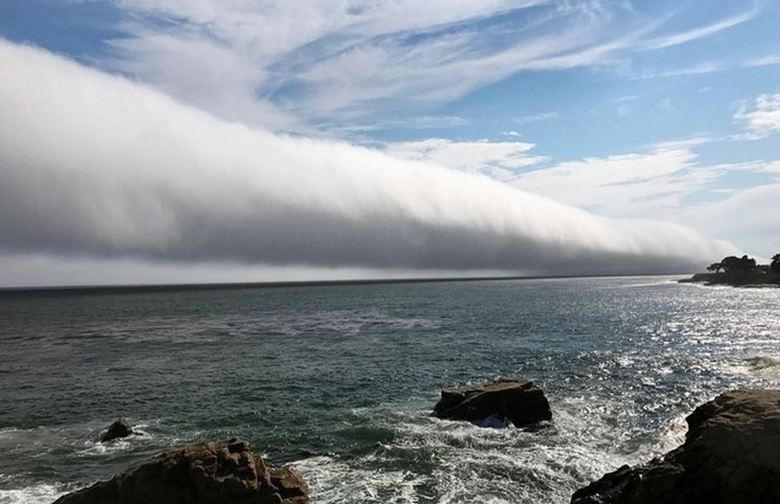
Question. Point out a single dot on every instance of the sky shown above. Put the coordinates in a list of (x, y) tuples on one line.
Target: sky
[(203, 141)]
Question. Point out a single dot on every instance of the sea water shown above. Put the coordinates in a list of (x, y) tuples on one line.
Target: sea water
[(339, 380)]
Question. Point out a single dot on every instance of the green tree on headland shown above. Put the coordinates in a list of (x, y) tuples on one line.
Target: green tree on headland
[(734, 263), (740, 272)]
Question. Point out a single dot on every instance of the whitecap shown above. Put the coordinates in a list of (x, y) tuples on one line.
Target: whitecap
[(763, 366), (44, 493)]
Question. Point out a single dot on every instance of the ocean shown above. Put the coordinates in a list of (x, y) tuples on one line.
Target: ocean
[(339, 380)]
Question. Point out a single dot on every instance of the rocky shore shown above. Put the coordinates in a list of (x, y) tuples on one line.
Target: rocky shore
[(731, 455), (209, 473), (736, 279)]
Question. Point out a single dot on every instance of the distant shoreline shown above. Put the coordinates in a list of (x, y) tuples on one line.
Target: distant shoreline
[(144, 288), (738, 279)]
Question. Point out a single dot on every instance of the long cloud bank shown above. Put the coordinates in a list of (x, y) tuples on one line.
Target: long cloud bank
[(94, 164)]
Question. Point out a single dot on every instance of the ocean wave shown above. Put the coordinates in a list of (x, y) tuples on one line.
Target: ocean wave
[(80, 440), (763, 366), (762, 362), (431, 460), (333, 481), (95, 447), (44, 493)]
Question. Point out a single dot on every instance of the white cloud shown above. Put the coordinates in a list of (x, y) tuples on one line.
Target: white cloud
[(666, 184), (497, 159), (96, 165), (614, 185), (763, 119), (203, 73), (700, 139), (546, 116), (697, 69), (264, 45), (444, 69), (703, 31), (770, 60), (343, 59), (745, 216)]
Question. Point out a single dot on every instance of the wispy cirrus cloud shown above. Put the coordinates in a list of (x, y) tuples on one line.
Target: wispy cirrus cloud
[(701, 68), (701, 32), (286, 65), (204, 73), (263, 47), (770, 60), (528, 119), (499, 160)]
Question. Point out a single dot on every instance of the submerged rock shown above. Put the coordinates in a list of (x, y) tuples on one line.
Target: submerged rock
[(119, 429), (731, 455), (209, 473), (495, 404)]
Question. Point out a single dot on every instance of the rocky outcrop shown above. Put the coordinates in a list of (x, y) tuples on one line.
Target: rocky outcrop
[(209, 473), (495, 404), (731, 455), (119, 429), (759, 277)]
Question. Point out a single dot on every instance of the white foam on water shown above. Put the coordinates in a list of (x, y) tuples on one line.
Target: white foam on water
[(456, 462), (761, 366), (761, 370), (96, 447), (99, 448), (36, 494), (333, 481)]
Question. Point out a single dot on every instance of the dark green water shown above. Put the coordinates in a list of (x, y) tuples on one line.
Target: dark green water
[(339, 380)]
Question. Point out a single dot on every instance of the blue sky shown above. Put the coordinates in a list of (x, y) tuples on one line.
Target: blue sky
[(677, 70), (667, 110)]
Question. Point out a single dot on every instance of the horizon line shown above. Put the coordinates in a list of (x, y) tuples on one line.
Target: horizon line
[(174, 287)]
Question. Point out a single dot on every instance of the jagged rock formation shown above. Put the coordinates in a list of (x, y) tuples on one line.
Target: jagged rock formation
[(731, 455), (209, 473), (495, 404), (119, 429)]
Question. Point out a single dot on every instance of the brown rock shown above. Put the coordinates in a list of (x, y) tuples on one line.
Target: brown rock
[(209, 473), (495, 404), (731, 455)]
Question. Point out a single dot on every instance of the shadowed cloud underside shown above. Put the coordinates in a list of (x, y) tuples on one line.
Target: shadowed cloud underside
[(98, 165)]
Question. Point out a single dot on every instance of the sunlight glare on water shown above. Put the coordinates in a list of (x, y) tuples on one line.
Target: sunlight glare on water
[(340, 380)]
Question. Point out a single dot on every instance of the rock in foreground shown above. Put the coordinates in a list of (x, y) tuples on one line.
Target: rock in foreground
[(731, 455), (119, 429), (495, 404), (210, 473)]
